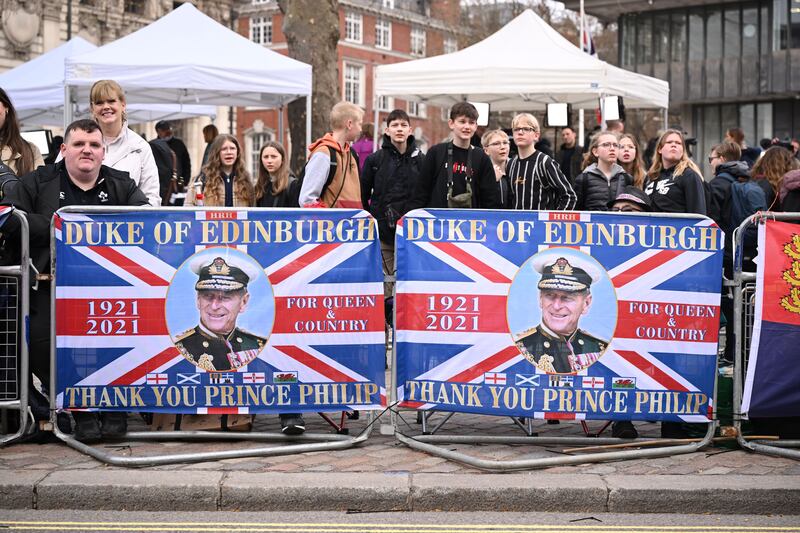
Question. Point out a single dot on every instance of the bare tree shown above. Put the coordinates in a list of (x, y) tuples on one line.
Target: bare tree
[(312, 34)]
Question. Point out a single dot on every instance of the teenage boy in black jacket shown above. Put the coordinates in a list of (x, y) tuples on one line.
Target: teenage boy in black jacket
[(455, 173)]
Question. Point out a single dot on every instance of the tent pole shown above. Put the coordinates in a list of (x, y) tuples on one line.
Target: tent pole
[(581, 126), (375, 133), (280, 124), (67, 106), (666, 118), (308, 121)]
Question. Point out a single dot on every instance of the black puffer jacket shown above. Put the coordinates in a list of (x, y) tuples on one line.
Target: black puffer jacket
[(387, 180), (595, 190)]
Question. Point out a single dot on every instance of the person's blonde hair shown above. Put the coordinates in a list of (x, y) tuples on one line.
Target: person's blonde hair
[(343, 111), (589, 157), (636, 167), (680, 167), (489, 135), (103, 90), (525, 119)]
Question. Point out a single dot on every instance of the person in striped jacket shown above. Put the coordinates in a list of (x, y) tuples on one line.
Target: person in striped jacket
[(536, 179)]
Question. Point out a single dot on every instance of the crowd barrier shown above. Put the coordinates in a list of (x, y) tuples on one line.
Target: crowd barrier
[(470, 332), (14, 308), (767, 322), (131, 325), (481, 296)]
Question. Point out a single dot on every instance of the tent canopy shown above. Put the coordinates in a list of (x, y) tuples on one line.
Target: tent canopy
[(36, 89), (187, 57), (524, 65)]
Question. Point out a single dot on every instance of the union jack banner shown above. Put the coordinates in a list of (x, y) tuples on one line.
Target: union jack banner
[(196, 311), (581, 298)]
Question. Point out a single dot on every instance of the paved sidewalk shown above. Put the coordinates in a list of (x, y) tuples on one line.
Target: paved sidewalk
[(383, 474)]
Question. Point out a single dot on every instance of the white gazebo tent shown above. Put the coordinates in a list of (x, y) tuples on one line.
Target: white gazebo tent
[(523, 66), (186, 57), (36, 89)]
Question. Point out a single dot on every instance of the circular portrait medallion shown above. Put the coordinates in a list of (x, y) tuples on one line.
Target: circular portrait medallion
[(220, 309), (562, 310)]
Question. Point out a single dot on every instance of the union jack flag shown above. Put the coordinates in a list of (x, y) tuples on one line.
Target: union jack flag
[(113, 302), (455, 318)]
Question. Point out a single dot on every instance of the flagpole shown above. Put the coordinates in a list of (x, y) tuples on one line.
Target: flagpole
[(580, 111)]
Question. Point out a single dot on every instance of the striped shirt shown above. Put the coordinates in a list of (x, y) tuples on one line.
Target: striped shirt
[(538, 183)]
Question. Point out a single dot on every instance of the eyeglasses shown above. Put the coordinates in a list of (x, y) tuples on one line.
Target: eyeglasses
[(524, 130), (711, 158), (626, 209), (498, 143), (608, 145)]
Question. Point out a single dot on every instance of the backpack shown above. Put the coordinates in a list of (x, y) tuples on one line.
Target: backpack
[(294, 188), (8, 180), (745, 198)]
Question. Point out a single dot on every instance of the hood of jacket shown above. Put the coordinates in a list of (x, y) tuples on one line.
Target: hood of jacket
[(328, 140), (737, 169), (789, 183), (616, 170), (411, 145)]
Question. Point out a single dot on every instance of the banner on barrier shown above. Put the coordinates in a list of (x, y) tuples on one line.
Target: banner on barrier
[(558, 314), (257, 311), (773, 373)]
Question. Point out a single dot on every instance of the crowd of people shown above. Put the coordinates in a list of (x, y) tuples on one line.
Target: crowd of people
[(103, 162)]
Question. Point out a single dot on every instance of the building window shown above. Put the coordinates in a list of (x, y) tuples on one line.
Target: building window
[(257, 2), (261, 30), (255, 140), (383, 34), (134, 7), (416, 109), (385, 103), (353, 24), (450, 45), (354, 83), (418, 42), (388, 4)]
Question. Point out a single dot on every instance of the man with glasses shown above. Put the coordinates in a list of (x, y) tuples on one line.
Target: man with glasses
[(537, 182)]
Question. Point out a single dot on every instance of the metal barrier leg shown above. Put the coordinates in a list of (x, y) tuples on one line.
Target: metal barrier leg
[(308, 442), (427, 444), (21, 279)]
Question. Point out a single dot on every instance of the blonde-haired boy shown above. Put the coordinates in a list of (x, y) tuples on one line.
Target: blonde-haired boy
[(343, 189), (536, 179)]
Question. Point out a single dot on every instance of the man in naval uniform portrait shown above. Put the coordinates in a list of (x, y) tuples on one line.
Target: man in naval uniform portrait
[(216, 344), (557, 345)]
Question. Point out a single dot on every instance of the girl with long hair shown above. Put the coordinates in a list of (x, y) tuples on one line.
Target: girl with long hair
[(768, 173), (18, 154), (224, 181), (674, 182), (602, 178), (275, 179), (125, 149), (630, 158)]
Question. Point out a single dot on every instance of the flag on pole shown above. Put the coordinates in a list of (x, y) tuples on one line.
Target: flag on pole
[(587, 43)]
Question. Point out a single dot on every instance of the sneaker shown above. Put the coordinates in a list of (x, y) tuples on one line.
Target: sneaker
[(623, 429), (114, 424), (292, 424), (87, 427)]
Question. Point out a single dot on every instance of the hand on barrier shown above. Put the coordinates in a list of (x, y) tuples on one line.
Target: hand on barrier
[(317, 204)]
